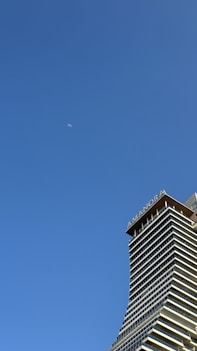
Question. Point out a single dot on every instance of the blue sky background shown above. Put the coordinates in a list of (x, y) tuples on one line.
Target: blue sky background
[(124, 74)]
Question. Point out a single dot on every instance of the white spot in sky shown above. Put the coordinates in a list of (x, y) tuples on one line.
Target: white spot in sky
[(69, 125)]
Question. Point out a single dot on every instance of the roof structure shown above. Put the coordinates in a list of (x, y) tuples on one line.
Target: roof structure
[(157, 204)]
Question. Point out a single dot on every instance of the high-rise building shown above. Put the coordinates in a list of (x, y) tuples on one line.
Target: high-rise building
[(162, 308)]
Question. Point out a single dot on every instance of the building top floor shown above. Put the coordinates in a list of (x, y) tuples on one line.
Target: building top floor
[(157, 204)]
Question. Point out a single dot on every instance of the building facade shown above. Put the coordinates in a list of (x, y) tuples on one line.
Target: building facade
[(162, 308)]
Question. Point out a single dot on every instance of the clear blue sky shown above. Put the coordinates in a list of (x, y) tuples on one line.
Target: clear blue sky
[(124, 74)]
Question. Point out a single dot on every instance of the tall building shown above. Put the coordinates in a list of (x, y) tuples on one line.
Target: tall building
[(162, 308)]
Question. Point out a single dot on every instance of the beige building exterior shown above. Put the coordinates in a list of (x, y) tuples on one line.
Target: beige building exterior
[(162, 308)]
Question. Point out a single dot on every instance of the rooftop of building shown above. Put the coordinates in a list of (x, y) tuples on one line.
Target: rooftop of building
[(158, 203)]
